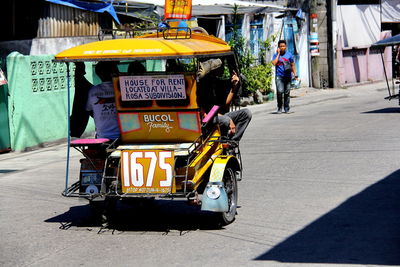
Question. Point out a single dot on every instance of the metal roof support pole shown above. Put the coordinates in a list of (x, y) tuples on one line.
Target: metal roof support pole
[(393, 91), (68, 128), (384, 70)]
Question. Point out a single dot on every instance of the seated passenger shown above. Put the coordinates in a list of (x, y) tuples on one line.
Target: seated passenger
[(101, 102), (215, 91)]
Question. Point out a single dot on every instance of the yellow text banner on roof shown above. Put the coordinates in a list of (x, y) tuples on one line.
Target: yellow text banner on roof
[(149, 46)]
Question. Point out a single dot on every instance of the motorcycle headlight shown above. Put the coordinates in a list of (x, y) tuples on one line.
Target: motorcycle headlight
[(213, 192)]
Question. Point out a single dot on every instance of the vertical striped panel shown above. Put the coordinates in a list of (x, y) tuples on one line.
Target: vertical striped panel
[(62, 21)]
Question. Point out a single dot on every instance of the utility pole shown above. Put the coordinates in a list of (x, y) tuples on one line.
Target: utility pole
[(331, 8), (321, 41), (320, 58), (314, 36)]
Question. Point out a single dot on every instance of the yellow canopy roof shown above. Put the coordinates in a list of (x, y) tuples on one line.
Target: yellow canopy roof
[(149, 46)]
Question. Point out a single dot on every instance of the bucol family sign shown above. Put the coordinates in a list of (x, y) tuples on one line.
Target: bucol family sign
[(136, 88)]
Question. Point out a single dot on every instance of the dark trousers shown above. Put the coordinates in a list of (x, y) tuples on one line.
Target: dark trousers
[(241, 118), (283, 91)]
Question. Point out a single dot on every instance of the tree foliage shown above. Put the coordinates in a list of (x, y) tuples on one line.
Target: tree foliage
[(257, 71)]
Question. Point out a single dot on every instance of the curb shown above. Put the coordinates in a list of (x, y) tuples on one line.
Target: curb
[(305, 100), (308, 96)]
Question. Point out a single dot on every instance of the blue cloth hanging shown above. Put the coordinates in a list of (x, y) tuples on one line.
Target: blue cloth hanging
[(94, 7)]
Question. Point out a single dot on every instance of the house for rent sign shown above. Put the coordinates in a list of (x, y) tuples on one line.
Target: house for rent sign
[(166, 87)]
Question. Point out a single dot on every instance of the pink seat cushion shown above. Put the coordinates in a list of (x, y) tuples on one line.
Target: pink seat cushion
[(210, 114), (90, 141)]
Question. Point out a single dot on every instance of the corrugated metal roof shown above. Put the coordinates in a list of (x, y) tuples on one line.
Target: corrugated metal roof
[(62, 21), (220, 7)]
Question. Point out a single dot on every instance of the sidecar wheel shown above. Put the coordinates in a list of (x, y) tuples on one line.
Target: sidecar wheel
[(110, 209), (230, 185)]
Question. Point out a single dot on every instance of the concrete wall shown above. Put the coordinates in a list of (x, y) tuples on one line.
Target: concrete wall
[(355, 65), (319, 64), (4, 131), (49, 46), (360, 66), (43, 46), (356, 62), (37, 101)]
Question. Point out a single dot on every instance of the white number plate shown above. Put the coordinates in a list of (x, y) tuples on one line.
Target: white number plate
[(147, 171)]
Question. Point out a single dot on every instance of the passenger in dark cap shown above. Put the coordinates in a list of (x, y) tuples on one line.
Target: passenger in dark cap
[(173, 66), (136, 67)]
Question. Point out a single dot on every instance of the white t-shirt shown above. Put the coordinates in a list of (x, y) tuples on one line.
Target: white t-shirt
[(101, 101)]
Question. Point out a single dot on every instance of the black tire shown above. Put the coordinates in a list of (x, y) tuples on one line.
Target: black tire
[(230, 185), (96, 209), (110, 209), (103, 210)]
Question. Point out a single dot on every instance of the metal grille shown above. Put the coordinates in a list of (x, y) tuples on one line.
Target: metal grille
[(49, 76)]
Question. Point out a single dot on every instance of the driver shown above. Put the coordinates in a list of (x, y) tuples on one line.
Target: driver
[(214, 91)]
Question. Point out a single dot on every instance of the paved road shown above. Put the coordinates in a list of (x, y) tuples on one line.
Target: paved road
[(321, 186)]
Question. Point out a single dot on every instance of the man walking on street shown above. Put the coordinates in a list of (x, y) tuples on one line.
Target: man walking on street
[(284, 67)]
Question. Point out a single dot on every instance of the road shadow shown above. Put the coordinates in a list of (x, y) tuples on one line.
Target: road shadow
[(151, 216), (365, 229), (7, 171), (77, 216), (384, 110)]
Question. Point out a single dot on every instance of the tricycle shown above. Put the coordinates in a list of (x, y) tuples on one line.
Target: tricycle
[(168, 147), (381, 46)]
